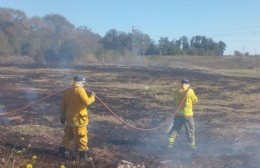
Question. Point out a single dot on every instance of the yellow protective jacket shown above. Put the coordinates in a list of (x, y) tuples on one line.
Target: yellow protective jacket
[(185, 98), (74, 106)]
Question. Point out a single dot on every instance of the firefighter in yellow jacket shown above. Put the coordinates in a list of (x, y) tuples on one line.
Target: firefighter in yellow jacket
[(184, 98), (74, 115)]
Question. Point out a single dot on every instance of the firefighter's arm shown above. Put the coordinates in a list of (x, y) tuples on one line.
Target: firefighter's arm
[(87, 100), (62, 112), (193, 97)]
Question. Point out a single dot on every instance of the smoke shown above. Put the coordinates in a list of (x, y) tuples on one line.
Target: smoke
[(2, 108), (127, 60), (30, 94), (210, 150)]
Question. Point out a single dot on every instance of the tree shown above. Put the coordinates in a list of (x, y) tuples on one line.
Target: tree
[(152, 49), (184, 44), (238, 53), (200, 45), (26, 48), (68, 51), (140, 41), (165, 46), (60, 26), (14, 24), (221, 47), (176, 47), (109, 41), (88, 41), (4, 45), (53, 39)]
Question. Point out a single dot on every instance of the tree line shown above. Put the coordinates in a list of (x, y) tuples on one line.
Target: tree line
[(53, 39)]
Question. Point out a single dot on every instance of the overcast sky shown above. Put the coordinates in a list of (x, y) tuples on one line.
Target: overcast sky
[(235, 22)]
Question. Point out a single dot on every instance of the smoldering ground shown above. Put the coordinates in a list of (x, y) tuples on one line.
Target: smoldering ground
[(226, 128)]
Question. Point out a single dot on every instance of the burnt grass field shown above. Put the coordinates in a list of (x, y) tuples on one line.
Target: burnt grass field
[(227, 117)]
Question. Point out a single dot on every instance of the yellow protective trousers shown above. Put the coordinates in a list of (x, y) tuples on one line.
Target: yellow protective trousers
[(78, 134)]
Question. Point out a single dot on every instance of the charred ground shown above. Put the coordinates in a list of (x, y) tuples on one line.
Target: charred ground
[(227, 116)]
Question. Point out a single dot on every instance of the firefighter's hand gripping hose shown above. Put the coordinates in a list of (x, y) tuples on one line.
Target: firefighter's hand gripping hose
[(14, 112)]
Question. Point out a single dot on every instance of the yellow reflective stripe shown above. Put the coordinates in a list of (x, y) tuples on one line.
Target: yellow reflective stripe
[(192, 144), (171, 140)]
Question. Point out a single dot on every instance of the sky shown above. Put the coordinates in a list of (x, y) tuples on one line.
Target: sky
[(235, 22)]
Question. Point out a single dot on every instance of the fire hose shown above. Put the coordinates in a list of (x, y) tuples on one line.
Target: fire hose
[(11, 113)]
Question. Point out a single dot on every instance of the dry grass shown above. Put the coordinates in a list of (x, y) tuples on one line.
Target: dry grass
[(35, 130)]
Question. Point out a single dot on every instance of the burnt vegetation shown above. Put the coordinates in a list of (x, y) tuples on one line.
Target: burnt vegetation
[(226, 118)]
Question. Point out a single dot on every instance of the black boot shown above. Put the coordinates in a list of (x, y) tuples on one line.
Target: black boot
[(61, 153), (83, 156)]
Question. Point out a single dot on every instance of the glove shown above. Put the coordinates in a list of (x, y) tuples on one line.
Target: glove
[(62, 121), (93, 93)]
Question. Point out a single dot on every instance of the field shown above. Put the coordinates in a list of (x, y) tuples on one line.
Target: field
[(227, 117)]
